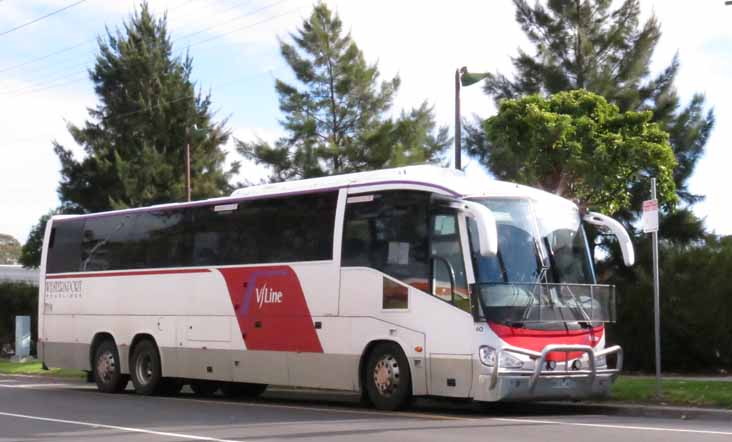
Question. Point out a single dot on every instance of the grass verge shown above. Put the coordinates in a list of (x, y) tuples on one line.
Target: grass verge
[(35, 368), (675, 392)]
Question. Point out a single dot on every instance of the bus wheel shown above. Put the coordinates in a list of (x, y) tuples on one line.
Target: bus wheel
[(387, 378), (106, 368), (240, 389), (204, 388), (145, 368)]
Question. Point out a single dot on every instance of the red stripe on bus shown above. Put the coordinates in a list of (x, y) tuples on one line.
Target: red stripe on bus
[(271, 309), (536, 340), (138, 273)]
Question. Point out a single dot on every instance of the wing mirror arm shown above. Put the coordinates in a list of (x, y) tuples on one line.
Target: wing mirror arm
[(608, 224)]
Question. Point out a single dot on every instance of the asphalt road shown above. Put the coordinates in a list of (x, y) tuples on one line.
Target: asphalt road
[(33, 409)]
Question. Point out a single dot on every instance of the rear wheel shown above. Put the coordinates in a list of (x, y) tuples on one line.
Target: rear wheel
[(387, 378), (106, 368), (145, 369), (240, 389)]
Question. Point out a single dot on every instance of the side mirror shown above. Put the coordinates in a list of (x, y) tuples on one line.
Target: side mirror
[(487, 230), (605, 223)]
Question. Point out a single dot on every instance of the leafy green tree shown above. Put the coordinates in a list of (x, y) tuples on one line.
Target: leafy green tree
[(577, 145), (30, 256), (9, 249), (588, 44), (334, 115), (134, 141)]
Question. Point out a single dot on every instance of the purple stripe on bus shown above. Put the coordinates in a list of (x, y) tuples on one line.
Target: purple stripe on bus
[(228, 200)]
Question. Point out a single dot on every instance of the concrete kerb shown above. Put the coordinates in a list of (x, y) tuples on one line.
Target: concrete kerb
[(649, 410)]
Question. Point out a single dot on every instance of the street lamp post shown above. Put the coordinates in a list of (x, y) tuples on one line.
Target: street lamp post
[(462, 78)]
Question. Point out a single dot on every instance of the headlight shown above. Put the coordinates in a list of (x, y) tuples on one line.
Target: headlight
[(488, 358), (487, 355), (600, 361)]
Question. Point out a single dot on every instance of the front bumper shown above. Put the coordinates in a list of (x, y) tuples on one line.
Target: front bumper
[(510, 384)]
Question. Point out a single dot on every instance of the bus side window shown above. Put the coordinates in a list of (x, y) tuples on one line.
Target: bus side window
[(105, 242), (64, 256), (388, 231)]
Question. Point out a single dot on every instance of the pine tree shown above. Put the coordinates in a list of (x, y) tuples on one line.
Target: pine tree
[(135, 139), (334, 116), (587, 44)]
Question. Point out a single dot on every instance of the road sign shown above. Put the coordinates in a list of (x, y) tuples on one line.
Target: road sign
[(650, 216)]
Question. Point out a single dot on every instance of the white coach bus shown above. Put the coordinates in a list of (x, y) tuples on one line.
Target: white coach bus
[(417, 281)]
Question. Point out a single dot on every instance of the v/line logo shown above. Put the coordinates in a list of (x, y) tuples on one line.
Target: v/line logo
[(266, 295)]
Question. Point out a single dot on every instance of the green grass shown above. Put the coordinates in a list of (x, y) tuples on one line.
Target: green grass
[(7, 367), (675, 392)]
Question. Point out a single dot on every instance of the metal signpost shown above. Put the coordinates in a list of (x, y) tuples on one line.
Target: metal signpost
[(650, 225)]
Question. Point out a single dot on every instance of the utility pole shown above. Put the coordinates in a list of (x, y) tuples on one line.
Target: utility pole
[(458, 123), (188, 161)]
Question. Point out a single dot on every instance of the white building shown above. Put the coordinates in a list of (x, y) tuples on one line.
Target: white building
[(16, 273)]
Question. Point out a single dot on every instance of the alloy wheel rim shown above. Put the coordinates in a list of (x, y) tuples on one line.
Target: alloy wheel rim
[(386, 375), (106, 366), (143, 369)]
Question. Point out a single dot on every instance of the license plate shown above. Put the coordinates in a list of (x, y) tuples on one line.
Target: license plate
[(563, 383)]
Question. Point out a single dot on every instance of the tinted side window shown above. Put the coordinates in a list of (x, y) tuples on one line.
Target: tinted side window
[(388, 231), (63, 251), (105, 242), (265, 230), (160, 239)]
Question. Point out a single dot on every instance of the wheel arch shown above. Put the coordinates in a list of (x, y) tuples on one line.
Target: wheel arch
[(365, 357)]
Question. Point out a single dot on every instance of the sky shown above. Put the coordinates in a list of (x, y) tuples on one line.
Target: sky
[(234, 44)]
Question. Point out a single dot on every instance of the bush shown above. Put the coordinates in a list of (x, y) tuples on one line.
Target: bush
[(696, 307), (17, 299)]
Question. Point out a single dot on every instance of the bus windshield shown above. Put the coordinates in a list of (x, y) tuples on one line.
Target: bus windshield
[(543, 270)]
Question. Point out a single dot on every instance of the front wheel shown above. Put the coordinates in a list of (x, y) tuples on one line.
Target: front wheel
[(106, 369), (387, 378), (145, 369)]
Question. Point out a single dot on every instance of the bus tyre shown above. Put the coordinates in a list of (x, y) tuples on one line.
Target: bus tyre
[(387, 377), (241, 389), (145, 369), (204, 388), (106, 368)]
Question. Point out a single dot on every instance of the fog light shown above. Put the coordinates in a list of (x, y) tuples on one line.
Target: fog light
[(577, 365), (551, 365)]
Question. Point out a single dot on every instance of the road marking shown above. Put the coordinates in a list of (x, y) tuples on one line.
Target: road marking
[(614, 426), (52, 385), (116, 427)]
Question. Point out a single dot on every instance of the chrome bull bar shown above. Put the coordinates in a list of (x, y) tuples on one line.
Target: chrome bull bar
[(540, 360)]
